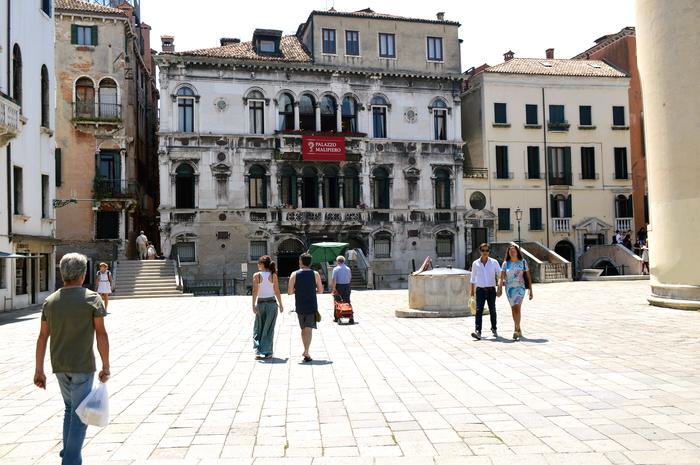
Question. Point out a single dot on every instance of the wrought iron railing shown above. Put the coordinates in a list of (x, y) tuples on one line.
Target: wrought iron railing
[(104, 188), (92, 111)]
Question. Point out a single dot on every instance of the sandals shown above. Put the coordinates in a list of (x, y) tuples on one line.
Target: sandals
[(307, 359), (517, 335)]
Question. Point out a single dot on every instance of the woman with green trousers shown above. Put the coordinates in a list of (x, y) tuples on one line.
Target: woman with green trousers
[(266, 302)]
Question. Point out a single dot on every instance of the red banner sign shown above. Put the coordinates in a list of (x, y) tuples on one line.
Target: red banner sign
[(323, 148)]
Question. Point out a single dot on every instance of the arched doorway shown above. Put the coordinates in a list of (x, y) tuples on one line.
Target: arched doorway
[(566, 250), (608, 267), (288, 256)]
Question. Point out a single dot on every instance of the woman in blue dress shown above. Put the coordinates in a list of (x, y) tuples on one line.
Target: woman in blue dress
[(516, 277)]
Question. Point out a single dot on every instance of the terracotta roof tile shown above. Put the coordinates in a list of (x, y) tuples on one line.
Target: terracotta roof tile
[(80, 5), (292, 51), (556, 67), (368, 13)]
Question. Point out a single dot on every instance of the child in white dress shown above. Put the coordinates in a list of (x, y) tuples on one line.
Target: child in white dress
[(104, 283)]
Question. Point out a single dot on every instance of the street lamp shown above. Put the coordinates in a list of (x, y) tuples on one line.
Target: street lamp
[(519, 217)]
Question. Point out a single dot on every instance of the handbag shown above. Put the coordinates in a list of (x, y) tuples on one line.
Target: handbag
[(318, 316), (526, 275)]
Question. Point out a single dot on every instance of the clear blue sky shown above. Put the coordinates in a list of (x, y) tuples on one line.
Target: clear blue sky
[(489, 28)]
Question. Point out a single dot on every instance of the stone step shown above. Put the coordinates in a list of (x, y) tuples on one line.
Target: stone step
[(125, 297), (149, 287), (147, 293)]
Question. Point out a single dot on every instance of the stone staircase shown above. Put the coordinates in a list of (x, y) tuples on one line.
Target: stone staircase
[(146, 279), (357, 282)]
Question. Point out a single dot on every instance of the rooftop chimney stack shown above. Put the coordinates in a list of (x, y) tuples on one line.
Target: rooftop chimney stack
[(508, 55), (228, 41), (550, 53), (441, 16), (167, 44)]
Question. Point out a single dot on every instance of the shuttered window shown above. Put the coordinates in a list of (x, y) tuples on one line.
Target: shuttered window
[(83, 35), (584, 113), (500, 116), (536, 219), (531, 114), (504, 219), (533, 162), (621, 163)]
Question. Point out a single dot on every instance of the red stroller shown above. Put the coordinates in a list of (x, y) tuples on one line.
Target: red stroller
[(342, 311)]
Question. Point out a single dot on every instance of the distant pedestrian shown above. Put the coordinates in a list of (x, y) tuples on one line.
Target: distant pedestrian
[(617, 238), (72, 317), (351, 255), (267, 300), (151, 253), (645, 258), (642, 235), (104, 283), (485, 273), (627, 241), (142, 245), (304, 284), (340, 281), (515, 275)]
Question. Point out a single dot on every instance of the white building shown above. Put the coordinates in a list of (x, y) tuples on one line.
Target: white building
[(551, 137), (27, 171), (235, 185)]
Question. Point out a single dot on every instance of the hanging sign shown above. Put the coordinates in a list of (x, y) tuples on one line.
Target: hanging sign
[(323, 148)]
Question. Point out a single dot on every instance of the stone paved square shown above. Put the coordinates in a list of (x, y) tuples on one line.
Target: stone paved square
[(601, 378)]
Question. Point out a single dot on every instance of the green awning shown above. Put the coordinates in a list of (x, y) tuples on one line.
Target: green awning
[(327, 251)]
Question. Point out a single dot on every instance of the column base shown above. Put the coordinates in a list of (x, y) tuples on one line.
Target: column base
[(681, 297)]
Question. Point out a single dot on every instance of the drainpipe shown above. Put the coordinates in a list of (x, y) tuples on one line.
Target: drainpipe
[(9, 145), (546, 169)]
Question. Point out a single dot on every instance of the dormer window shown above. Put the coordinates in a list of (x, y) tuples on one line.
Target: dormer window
[(267, 41)]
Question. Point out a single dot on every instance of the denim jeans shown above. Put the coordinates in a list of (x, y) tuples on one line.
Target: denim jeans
[(264, 327), (74, 388), (484, 295)]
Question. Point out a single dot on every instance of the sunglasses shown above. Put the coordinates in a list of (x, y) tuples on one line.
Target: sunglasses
[(484, 250)]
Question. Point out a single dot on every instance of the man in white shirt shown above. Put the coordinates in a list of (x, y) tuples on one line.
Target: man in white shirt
[(485, 273), (142, 245)]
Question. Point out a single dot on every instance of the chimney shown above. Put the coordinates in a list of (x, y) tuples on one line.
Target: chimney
[(229, 40), (441, 16), (508, 55), (549, 53), (167, 44)]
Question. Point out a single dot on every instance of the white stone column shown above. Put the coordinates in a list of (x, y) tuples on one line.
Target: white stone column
[(339, 118), (320, 192), (667, 39), (317, 113), (296, 116)]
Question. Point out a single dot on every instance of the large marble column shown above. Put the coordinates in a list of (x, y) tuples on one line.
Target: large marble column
[(667, 39)]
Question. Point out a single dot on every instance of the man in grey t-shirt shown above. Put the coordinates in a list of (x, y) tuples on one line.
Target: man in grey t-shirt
[(72, 317)]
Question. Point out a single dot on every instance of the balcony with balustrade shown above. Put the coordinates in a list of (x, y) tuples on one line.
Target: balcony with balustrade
[(624, 224), (114, 189), (10, 122), (97, 113), (561, 225)]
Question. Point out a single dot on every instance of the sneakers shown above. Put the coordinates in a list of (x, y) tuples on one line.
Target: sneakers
[(477, 335), (495, 334)]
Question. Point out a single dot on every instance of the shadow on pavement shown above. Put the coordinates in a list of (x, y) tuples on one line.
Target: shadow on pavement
[(19, 316), (535, 341), (273, 360), (317, 362)]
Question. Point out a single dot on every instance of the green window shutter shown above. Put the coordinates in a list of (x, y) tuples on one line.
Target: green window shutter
[(567, 165), (94, 36), (630, 206), (58, 161), (73, 34), (569, 207), (553, 206)]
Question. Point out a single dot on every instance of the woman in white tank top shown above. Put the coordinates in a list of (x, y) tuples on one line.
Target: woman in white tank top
[(266, 302)]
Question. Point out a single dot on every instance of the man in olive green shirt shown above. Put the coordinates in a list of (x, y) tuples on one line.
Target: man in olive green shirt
[(72, 317)]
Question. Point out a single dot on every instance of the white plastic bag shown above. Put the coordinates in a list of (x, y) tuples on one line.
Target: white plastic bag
[(94, 409)]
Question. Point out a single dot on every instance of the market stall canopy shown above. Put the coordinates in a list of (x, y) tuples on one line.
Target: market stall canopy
[(327, 251)]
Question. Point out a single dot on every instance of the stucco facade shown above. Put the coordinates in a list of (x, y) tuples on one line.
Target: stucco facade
[(106, 123), (27, 85), (537, 164), (384, 191)]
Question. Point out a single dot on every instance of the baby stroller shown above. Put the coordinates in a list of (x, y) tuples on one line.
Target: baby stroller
[(342, 311)]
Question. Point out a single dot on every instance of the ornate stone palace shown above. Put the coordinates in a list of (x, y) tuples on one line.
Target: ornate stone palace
[(348, 130)]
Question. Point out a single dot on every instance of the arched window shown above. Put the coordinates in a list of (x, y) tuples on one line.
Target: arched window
[(309, 193), (443, 188), (108, 103), (288, 186), (561, 206), (285, 105), (623, 206), (444, 244), (185, 109), (257, 188), (440, 119), (256, 110), (184, 186), (329, 112), (351, 187), (84, 98), (379, 112), (381, 188), (349, 115), (307, 113), (45, 113), (382, 245), (331, 198), (17, 74)]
